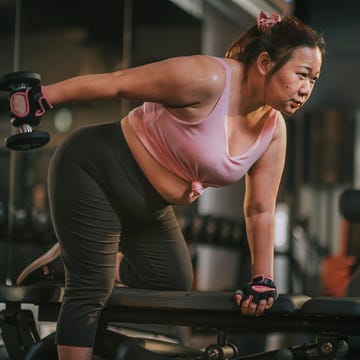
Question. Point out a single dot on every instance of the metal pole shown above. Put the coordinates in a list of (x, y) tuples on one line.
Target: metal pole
[(17, 34), (13, 157), (127, 46)]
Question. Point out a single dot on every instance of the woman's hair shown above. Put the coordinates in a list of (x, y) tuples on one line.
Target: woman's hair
[(279, 41)]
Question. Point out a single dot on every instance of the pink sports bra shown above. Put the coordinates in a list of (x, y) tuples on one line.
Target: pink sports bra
[(198, 151)]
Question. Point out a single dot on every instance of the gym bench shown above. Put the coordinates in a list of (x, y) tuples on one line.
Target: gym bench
[(332, 320)]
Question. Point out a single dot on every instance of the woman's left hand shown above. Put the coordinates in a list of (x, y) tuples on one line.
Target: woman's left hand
[(257, 296)]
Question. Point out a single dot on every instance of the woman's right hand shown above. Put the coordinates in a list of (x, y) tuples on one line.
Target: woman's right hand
[(257, 296)]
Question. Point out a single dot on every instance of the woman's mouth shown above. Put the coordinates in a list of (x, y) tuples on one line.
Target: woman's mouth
[(295, 103)]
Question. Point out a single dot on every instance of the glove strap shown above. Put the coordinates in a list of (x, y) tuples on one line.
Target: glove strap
[(264, 280), (44, 103)]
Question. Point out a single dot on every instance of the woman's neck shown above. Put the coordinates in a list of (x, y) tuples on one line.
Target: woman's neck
[(252, 92)]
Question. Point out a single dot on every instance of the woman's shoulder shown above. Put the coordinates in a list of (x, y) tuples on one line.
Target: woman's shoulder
[(280, 119), (221, 62), (204, 63), (279, 125)]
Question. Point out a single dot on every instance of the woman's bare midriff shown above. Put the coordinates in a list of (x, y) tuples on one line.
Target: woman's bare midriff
[(172, 188)]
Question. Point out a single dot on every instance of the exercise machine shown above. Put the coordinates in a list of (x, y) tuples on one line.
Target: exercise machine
[(332, 320)]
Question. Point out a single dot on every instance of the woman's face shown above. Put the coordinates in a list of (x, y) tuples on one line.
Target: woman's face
[(291, 86)]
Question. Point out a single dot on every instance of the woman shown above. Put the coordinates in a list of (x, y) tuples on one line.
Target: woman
[(204, 121)]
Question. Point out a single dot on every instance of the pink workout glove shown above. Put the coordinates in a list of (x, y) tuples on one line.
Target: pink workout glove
[(28, 105), (259, 288)]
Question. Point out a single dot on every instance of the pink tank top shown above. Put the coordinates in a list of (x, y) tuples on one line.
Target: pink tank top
[(198, 151)]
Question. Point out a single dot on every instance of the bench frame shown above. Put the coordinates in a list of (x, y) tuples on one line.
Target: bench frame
[(333, 320)]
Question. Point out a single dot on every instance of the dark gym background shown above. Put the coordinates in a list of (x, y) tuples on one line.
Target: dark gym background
[(63, 38)]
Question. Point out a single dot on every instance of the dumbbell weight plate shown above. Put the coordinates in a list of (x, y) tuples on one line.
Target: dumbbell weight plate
[(8, 81), (27, 140)]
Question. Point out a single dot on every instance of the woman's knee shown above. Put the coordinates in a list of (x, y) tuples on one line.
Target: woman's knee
[(169, 278), (177, 279), (74, 317), (183, 282)]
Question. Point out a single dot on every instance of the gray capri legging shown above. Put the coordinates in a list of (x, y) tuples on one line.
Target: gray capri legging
[(98, 192)]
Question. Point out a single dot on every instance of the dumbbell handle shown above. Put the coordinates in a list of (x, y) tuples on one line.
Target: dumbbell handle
[(18, 86), (25, 128)]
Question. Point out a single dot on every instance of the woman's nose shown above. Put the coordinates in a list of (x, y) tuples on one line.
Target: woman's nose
[(305, 89)]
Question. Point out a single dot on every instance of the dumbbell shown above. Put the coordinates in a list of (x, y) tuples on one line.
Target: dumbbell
[(27, 137)]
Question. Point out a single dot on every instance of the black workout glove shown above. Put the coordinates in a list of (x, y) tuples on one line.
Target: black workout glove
[(33, 105), (260, 288)]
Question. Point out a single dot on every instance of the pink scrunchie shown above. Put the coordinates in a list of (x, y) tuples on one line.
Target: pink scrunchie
[(265, 21)]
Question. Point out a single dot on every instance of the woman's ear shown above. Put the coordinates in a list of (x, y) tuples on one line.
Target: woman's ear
[(264, 63)]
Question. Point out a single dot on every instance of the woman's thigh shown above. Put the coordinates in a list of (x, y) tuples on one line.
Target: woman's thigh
[(87, 229)]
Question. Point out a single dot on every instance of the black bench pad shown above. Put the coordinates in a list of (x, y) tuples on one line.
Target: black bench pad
[(330, 306), (208, 309), (193, 300), (44, 293)]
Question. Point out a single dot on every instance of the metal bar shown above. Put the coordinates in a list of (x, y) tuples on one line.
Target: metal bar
[(127, 46), (193, 7), (13, 155)]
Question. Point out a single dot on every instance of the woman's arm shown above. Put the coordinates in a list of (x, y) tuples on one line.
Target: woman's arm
[(175, 82), (262, 184)]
